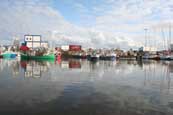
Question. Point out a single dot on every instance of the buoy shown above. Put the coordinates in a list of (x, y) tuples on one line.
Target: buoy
[(59, 58)]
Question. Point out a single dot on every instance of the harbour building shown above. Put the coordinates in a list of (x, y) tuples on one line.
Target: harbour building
[(34, 41)]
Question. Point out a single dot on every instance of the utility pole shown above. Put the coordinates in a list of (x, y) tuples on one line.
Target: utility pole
[(145, 37)]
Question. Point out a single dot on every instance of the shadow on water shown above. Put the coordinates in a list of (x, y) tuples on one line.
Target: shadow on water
[(80, 87)]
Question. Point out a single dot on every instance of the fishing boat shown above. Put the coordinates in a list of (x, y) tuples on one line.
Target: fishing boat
[(127, 58), (43, 57), (167, 53), (8, 55), (108, 57), (38, 53), (94, 57), (146, 56), (79, 56), (166, 57), (154, 57)]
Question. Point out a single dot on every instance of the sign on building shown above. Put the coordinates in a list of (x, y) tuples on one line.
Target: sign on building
[(32, 41), (65, 47), (75, 47), (31, 38)]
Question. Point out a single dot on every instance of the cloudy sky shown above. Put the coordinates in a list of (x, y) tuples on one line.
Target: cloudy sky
[(91, 23)]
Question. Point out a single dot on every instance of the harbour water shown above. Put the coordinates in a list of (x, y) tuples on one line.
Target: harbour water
[(80, 87)]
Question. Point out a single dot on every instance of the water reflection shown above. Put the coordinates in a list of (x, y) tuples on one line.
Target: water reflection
[(81, 87), (34, 68), (13, 64), (158, 75), (70, 64)]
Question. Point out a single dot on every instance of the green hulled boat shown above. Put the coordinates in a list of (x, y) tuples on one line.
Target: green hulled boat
[(44, 57)]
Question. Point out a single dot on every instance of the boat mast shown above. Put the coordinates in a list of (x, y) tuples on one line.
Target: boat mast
[(155, 37), (163, 35), (169, 36)]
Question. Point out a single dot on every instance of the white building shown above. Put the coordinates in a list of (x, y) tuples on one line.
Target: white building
[(150, 49), (65, 47), (33, 41)]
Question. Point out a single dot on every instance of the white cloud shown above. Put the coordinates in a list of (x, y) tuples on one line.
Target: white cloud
[(128, 18), (34, 18), (117, 23)]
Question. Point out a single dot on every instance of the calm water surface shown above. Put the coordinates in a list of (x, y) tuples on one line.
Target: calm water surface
[(79, 87)]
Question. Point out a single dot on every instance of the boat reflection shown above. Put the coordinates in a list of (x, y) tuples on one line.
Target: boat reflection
[(153, 74), (74, 64), (70, 64), (10, 63), (34, 69), (159, 75)]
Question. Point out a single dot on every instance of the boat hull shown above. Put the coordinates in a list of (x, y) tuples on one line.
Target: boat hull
[(93, 58), (168, 58), (8, 55), (109, 58), (79, 56), (45, 57), (154, 58)]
